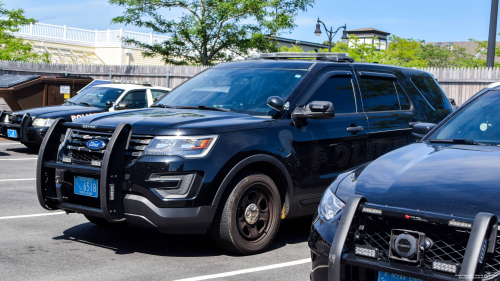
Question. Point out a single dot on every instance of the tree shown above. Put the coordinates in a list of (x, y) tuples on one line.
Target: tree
[(210, 31), (12, 48)]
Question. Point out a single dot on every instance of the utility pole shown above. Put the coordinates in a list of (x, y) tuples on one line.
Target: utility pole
[(490, 58)]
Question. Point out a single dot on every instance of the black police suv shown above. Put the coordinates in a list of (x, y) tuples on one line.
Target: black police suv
[(427, 211), (237, 148), (30, 126)]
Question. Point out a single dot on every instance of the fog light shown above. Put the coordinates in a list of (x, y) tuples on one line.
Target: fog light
[(445, 266), (372, 211), (460, 224), (96, 163), (366, 251), (66, 159)]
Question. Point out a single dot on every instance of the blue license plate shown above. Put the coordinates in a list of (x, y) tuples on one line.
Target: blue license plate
[(12, 133), (86, 187), (386, 276)]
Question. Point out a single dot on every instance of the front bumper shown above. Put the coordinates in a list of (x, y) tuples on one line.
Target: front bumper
[(124, 193), (25, 132), (338, 262)]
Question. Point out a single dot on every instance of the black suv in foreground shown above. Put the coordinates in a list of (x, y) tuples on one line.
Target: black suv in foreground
[(237, 148), (427, 211)]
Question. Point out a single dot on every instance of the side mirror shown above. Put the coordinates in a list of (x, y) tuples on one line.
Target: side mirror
[(275, 103), (122, 105), (419, 130), (315, 110), (108, 103), (453, 103)]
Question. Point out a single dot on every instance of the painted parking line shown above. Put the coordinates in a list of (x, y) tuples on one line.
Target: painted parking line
[(28, 179), (10, 143), (18, 159), (244, 271), (30, 216)]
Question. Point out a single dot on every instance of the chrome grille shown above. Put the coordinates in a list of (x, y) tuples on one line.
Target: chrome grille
[(75, 147)]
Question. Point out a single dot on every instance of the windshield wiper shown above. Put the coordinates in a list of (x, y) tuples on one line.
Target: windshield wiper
[(86, 103), (458, 141), (68, 101), (202, 107), (161, 105)]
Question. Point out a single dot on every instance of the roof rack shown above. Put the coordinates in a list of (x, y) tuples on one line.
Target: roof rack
[(134, 82), (337, 57)]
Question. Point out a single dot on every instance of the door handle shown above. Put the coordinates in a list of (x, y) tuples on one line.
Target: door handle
[(355, 129), (414, 123)]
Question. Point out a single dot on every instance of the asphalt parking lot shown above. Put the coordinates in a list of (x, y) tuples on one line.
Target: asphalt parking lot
[(39, 245)]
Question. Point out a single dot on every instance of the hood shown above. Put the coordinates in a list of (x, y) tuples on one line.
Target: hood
[(68, 112), (165, 121), (458, 180)]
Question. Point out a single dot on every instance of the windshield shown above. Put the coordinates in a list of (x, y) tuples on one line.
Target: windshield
[(97, 96), (239, 90), (479, 121)]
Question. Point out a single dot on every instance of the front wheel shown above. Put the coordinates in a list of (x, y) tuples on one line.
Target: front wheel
[(249, 220)]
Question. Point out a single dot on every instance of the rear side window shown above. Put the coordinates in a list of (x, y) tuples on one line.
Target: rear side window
[(157, 93), (403, 99), (431, 91), (379, 95), (338, 91)]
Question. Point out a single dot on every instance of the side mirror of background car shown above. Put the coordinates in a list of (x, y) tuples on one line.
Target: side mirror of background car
[(276, 103), (453, 103), (122, 105), (315, 110), (419, 130), (108, 103)]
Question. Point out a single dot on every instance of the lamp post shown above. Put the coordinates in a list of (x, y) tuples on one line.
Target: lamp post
[(490, 55), (330, 33)]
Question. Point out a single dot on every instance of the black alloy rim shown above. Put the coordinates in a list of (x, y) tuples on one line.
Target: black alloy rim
[(252, 231)]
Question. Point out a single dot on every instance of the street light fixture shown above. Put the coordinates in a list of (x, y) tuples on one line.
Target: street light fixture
[(330, 33)]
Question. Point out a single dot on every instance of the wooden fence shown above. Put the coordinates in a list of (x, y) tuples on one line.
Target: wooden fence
[(457, 83), (162, 75), (462, 83)]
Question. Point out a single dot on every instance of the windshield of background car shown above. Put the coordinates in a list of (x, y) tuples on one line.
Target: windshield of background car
[(240, 90), (478, 121), (98, 96)]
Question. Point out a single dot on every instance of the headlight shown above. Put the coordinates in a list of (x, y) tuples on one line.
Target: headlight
[(42, 122), (189, 146), (6, 119), (330, 205)]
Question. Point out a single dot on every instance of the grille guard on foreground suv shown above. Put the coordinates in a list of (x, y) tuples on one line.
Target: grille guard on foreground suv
[(484, 228), (21, 126), (49, 191)]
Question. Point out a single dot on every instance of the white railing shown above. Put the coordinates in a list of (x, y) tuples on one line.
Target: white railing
[(65, 33)]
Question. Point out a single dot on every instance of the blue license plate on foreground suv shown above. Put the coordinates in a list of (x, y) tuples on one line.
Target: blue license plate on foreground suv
[(386, 276), (12, 133), (86, 187)]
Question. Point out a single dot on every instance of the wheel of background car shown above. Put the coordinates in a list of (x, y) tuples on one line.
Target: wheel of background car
[(103, 222), (249, 220)]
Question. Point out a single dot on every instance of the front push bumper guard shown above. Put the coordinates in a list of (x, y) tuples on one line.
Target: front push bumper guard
[(21, 127), (51, 195), (484, 226)]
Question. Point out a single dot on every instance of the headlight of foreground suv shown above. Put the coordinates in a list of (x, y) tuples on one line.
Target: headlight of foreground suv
[(184, 146), (5, 119), (330, 205), (42, 122)]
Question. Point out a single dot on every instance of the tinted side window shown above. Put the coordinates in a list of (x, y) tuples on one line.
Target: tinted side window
[(403, 99), (157, 93), (379, 95), (136, 99), (431, 92), (339, 91)]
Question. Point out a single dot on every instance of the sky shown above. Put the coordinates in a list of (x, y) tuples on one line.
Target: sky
[(429, 20)]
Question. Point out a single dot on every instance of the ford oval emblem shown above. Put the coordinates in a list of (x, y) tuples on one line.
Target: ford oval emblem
[(96, 144)]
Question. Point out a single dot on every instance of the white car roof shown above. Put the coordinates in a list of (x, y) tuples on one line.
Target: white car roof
[(129, 87)]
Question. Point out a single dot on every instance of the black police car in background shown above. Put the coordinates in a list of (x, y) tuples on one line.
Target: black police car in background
[(214, 156), (426, 211), (30, 126)]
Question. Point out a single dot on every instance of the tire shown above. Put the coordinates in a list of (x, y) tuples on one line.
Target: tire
[(33, 146), (243, 229), (104, 222)]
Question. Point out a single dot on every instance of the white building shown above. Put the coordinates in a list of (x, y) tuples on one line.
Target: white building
[(370, 36)]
